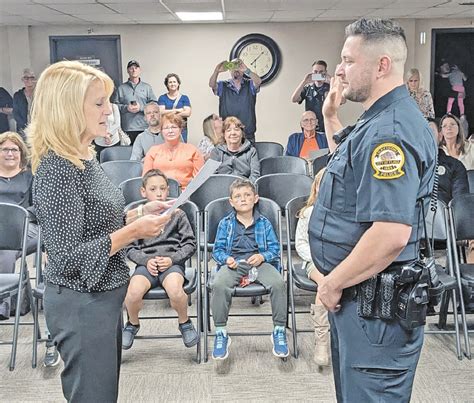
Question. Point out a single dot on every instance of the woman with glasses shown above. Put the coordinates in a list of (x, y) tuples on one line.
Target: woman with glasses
[(236, 154), (212, 129), (177, 160), (22, 101), (303, 143), (453, 141), (15, 188)]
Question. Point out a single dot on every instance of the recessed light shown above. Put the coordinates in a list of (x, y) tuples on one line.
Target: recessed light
[(196, 16)]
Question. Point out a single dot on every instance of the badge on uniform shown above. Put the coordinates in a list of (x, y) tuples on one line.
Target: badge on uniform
[(387, 161)]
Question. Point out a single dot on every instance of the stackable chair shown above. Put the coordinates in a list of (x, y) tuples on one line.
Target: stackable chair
[(14, 222), (116, 153), (213, 213), (215, 187), (119, 171), (461, 216), (267, 149), (283, 164), (282, 187), (320, 163), (470, 178), (131, 189), (437, 230), (192, 281), (296, 273)]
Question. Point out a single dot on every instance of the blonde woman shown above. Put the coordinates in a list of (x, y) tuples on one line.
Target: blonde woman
[(81, 216), (421, 96), (319, 314), (212, 129)]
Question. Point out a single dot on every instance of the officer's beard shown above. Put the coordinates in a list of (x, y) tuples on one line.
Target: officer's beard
[(359, 95)]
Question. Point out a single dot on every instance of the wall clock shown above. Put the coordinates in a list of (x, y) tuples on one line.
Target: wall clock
[(260, 53)]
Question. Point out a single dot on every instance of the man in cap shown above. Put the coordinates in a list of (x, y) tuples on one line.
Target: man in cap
[(131, 98)]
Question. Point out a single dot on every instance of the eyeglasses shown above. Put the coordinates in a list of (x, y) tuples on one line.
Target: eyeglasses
[(29, 78), (309, 121), (9, 150), (170, 128)]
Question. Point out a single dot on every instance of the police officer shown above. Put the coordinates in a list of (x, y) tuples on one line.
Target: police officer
[(367, 216)]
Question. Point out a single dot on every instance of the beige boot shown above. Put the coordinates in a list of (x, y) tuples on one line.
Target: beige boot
[(319, 316)]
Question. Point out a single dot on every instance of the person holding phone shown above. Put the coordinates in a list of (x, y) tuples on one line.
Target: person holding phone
[(313, 89), (131, 98)]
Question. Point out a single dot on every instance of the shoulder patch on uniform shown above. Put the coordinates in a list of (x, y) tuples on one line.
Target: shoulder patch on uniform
[(387, 161)]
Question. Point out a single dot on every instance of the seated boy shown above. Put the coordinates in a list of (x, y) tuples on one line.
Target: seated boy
[(160, 261), (246, 235)]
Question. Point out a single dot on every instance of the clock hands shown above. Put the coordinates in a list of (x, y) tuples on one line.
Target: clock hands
[(254, 63)]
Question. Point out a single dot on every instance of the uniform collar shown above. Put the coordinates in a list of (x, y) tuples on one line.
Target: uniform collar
[(383, 102)]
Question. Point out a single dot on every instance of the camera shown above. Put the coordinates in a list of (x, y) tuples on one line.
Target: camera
[(133, 102)]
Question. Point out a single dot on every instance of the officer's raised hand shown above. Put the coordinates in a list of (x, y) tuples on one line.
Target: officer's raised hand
[(329, 295), (334, 99)]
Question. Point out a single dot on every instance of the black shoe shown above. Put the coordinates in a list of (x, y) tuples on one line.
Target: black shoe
[(190, 336)]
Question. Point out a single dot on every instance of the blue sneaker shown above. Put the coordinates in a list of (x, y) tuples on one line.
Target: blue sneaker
[(221, 346), (280, 346)]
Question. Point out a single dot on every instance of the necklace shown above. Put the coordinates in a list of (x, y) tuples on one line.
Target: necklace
[(172, 154)]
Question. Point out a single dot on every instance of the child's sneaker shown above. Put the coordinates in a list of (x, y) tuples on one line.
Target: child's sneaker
[(280, 346), (190, 336), (221, 345)]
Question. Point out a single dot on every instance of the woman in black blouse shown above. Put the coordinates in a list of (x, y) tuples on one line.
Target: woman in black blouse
[(81, 217), (15, 188)]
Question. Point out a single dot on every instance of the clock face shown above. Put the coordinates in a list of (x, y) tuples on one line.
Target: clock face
[(257, 57), (260, 54)]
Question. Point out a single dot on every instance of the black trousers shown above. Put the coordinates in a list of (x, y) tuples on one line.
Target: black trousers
[(86, 328)]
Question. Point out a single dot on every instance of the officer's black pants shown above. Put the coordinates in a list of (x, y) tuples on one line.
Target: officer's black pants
[(86, 327), (373, 360)]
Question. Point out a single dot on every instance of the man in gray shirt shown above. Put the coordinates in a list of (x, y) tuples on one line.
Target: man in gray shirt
[(131, 97), (151, 136)]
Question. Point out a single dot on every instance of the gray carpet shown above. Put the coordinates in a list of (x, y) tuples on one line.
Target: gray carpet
[(164, 370)]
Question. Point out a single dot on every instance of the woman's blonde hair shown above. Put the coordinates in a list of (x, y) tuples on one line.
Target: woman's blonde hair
[(414, 72), (313, 194), (57, 117), (209, 131), (16, 138)]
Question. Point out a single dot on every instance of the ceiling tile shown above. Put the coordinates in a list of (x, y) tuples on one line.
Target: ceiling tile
[(347, 13), (82, 9), (27, 9), (135, 8)]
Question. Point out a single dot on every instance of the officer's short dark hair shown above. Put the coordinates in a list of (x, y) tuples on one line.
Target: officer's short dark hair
[(321, 62), (375, 29), (240, 183)]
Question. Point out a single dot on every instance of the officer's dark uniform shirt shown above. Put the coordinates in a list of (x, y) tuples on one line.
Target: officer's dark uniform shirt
[(452, 177), (378, 173)]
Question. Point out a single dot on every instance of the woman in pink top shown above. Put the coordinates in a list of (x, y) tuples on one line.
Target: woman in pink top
[(177, 160)]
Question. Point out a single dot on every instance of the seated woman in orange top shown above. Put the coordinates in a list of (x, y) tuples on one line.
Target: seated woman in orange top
[(177, 160)]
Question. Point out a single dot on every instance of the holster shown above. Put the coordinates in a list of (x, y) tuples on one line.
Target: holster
[(400, 292)]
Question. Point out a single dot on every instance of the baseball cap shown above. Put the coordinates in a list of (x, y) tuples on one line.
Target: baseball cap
[(133, 62)]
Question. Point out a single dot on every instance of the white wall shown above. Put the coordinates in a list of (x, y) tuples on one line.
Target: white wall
[(193, 50)]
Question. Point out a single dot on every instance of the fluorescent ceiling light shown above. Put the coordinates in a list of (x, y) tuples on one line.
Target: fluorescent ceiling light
[(195, 16)]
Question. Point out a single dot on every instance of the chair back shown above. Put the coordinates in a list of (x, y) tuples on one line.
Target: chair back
[(470, 178), (215, 187), (131, 189), (13, 227), (292, 208), (462, 208), (436, 223), (267, 149), (119, 171), (283, 187), (283, 164), (320, 163), (116, 153)]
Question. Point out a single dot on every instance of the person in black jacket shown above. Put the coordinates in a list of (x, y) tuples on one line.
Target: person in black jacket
[(6, 103), (22, 101), (452, 175)]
